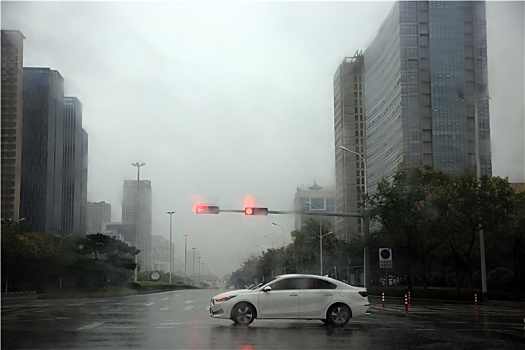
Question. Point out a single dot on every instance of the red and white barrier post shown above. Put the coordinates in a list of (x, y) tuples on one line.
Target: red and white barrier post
[(383, 299), (476, 301), (406, 303), (409, 300)]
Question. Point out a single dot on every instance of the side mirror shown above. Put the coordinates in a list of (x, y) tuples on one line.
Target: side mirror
[(267, 289)]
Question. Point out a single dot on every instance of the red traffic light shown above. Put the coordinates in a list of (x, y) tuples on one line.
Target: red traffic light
[(255, 211), (206, 209)]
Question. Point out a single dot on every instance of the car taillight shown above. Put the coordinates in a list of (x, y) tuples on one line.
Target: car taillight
[(364, 294)]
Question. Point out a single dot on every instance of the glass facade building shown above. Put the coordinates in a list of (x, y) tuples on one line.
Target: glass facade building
[(426, 90), (12, 91)]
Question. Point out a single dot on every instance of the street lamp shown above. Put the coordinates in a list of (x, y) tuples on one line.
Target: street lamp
[(171, 248), (320, 234), (321, 251), (270, 240), (137, 221), (478, 176), (193, 274), (282, 228), (366, 258), (185, 250), (199, 275), (260, 247)]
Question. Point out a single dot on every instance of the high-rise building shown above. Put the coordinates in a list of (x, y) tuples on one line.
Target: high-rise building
[(350, 145), (137, 199), (97, 214), (12, 91), (319, 200), (74, 190), (426, 90), (42, 150)]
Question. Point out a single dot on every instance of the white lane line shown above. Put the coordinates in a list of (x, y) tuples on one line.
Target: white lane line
[(166, 298), (166, 308), (188, 308), (91, 326), (188, 302)]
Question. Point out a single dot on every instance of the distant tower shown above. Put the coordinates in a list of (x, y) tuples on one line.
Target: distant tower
[(74, 190), (145, 215), (97, 214), (12, 91), (321, 200)]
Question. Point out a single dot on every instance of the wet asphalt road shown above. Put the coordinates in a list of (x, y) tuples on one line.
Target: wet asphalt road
[(180, 320)]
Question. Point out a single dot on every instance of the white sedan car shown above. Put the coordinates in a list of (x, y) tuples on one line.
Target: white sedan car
[(294, 296)]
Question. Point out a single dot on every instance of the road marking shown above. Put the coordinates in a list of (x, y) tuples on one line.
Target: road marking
[(188, 308), (188, 302), (91, 326), (166, 308), (165, 298)]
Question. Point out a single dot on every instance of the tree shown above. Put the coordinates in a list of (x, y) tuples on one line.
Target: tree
[(404, 208), (29, 259)]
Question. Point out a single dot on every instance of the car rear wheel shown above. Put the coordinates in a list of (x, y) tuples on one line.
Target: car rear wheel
[(243, 314), (338, 315)]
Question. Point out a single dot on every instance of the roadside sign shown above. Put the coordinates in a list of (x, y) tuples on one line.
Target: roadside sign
[(385, 258)]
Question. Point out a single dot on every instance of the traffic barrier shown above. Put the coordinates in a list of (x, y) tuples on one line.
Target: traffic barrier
[(406, 303), (383, 299), (476, 301), (409, 300)]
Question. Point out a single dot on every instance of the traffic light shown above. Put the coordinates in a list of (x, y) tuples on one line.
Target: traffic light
[(255, 211), (206, 209)]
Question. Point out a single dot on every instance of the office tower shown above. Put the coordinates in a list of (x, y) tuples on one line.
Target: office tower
[(320, 199), (350, 145), (83, 180), (12, 85), (97, 214), (42, 150), (131, 204), (73, 184), (426, 90)]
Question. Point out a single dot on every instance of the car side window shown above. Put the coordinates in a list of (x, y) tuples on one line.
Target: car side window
[(315, 283), (289, 283), (281, 285)]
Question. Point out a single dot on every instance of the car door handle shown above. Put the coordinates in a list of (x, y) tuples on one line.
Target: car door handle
[(294, 295), (328, 295)]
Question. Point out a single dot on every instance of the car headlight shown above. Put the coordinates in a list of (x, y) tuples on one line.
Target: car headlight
[(225, 298)]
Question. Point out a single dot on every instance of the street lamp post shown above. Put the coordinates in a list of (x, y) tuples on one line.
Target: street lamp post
[(321, 251), (193, 269), (478, 176), (270, 240), (137, 221), (320, 234), (185, 250), (282, 228), (171, 248), (199, 275), (366, 258)]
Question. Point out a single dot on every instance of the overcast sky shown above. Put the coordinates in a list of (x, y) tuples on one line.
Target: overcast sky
[(224, 100)]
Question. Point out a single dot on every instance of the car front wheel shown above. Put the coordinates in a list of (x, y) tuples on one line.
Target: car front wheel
[(243, 314), (338, 315)]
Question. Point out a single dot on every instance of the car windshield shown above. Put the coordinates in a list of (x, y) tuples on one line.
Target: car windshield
[(206, 146)]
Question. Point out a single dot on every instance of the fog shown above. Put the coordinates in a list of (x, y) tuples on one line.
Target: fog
[(224, 100)]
